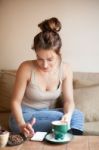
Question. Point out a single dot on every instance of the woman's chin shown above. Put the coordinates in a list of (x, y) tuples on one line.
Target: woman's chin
[(46, 70)]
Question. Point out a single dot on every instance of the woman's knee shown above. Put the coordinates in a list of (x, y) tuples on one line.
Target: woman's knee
[(49, 115), (57, 115)]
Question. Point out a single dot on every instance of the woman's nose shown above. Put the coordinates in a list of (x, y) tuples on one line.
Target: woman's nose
[(45, 64)]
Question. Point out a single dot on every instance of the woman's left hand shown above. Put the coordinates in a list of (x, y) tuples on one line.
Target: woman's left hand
[(66, 118)]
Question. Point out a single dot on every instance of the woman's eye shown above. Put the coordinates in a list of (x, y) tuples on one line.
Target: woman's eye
[(39, 59), (50, 59)]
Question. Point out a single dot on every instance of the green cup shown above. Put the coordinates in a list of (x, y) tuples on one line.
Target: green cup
[(59, 129)]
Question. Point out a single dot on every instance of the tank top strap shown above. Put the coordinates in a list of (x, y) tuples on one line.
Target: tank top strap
[(61, 71), (32, 78)]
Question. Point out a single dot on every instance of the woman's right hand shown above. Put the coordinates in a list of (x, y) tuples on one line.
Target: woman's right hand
[(27, 129)]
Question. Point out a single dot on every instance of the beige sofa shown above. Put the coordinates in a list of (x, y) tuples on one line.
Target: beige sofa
[(86, 96)]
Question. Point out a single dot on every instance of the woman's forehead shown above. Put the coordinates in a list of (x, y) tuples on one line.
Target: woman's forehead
[(45, 54)]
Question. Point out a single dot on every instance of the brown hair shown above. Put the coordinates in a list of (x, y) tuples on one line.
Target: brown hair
[(48, 38)]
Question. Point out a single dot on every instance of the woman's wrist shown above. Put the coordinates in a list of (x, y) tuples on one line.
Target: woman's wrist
[(68, 115), (21, 123)]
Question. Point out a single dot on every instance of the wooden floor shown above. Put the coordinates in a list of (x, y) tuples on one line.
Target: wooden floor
[(77, 143)]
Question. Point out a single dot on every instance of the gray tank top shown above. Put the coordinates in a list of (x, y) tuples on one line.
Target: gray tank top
[(37, 98)]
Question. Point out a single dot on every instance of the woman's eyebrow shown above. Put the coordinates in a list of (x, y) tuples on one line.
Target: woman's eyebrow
[(43, 58), (39, 57)]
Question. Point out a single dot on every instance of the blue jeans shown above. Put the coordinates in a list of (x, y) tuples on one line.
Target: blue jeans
[(44, 117)]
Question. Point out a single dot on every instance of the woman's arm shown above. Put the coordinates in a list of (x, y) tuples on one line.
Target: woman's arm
[(22, 78), (67, 89)]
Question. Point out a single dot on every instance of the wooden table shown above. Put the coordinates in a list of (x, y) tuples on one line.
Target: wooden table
[(78, 143)]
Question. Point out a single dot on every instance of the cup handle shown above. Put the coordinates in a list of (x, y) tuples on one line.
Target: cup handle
[(52, 130)]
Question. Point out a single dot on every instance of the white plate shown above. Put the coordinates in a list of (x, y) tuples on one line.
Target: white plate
[(50, 137)]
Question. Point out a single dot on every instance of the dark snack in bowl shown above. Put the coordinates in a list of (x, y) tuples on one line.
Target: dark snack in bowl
[(2, 131), (16, 139)]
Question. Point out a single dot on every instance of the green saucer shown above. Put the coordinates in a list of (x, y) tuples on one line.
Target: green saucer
[(51, 138)]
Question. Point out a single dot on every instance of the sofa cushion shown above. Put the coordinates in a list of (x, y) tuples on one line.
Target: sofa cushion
[(87, 100), (84, 79), (7, 79), (91, 128), (4, 119)]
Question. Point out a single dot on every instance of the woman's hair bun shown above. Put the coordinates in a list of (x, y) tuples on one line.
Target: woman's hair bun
[(52, 24)]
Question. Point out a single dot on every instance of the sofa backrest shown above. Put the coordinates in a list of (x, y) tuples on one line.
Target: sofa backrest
[(86, 92), (7, 79)]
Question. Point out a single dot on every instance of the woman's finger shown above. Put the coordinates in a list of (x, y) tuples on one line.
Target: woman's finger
[(26, 130), (64, 120), (29, 127), (33, 121)]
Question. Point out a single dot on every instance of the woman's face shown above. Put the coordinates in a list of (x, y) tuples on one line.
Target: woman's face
[(46, 59)]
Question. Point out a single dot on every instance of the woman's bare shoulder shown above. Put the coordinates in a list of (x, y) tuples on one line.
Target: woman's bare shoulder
[(26, 64), (25, 68)]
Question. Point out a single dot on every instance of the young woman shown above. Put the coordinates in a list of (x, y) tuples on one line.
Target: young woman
[(40, 82)]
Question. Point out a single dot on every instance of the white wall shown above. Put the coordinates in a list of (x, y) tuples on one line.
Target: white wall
[(80, 31)]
